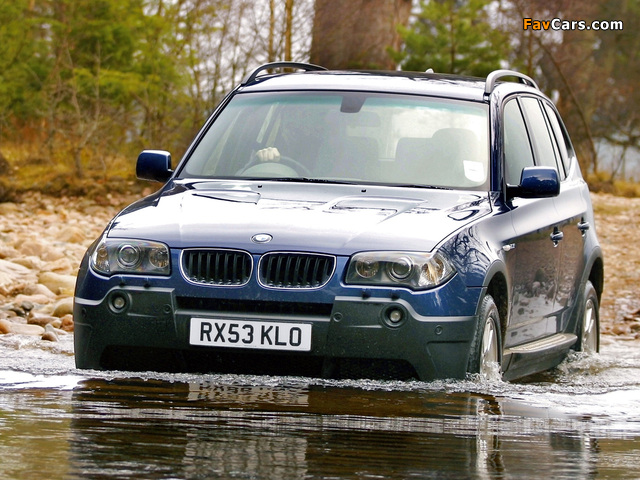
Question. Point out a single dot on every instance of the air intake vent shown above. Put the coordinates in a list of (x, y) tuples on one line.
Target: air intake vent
[(296, 270), (217, 267)]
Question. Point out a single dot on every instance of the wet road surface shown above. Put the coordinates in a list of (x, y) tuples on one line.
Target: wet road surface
[(580, 421)]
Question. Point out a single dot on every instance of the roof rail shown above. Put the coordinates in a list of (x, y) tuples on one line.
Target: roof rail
[(308, 67), (493, 77)]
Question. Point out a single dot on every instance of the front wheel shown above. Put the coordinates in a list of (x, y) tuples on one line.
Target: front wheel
[(589, 327), (486, 347)]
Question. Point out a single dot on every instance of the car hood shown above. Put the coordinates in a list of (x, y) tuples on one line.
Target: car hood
[(337, 219)]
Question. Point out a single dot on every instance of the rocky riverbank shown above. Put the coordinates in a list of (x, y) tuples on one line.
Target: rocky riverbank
[(617, 223), (43, 239)]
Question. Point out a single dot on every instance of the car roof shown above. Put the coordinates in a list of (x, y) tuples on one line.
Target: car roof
[(413, 83)]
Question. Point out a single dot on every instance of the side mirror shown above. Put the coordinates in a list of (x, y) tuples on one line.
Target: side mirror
[(154, 165), (536, 182)]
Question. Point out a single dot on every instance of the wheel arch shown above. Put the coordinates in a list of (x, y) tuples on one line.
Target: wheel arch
[(496, 284), (596, 275), (499, 291)]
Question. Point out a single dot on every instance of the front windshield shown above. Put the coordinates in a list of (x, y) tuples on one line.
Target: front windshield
[(353, 137)]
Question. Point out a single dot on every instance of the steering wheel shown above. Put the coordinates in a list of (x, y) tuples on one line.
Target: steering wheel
[(296, 165), (284, 160)]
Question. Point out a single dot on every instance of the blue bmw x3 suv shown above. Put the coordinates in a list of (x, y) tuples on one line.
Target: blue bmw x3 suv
[(345, 224)]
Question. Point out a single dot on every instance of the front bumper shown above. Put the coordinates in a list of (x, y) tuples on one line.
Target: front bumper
[(155, 322)]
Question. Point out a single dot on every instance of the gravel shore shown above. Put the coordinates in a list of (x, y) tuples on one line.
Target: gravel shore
[(42, 241)]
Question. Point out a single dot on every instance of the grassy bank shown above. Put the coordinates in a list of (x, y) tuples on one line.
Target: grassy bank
[(22, 171)]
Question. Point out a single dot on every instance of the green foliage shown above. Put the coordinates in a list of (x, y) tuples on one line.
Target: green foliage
[(22, 67), (591, 74), (453, 36), (90, 79), (86, 84)]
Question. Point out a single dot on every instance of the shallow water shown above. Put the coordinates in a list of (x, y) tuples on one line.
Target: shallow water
[(580, 421)]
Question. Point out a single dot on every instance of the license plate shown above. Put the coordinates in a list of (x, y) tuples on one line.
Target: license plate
[(250, 334)]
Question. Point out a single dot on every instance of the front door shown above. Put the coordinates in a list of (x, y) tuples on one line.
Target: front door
[(537, 244)]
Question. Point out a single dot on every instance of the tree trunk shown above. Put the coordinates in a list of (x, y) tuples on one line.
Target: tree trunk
[(288, 29), (271, 53), (357, 33)]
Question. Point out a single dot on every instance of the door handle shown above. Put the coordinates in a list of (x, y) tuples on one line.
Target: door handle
[(556, 236), (583, 226)]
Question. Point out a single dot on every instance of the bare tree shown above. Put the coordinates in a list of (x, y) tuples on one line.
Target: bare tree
[(288, 9), (563, 63)]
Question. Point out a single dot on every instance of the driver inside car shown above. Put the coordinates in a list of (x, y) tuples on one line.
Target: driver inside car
[(268, 154), (299, 133)]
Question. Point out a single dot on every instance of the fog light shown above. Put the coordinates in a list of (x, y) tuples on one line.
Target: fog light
[(118, 302), (394, 316)]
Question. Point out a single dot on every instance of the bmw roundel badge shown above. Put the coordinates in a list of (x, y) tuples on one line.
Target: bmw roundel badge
[(261, 238)]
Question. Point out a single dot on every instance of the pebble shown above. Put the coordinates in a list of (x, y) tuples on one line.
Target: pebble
[(42, 319), (40, 249), (5, 326), (26, 305), (49, 337), (39, 289), (50, 334), (63, 307), (60, 284), (13, 276), (30, 262), (67, 323), (73, 235), (620, 329), (55, 323), (32, 300), (26, 329)]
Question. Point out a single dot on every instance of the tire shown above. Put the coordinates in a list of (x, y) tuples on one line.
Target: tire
[(589, 321), (486, 347)]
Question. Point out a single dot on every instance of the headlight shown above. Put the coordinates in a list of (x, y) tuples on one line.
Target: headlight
[(403, 269), (113, 256)]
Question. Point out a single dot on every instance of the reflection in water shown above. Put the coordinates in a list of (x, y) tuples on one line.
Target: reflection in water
[(580, 421), (132, 428)]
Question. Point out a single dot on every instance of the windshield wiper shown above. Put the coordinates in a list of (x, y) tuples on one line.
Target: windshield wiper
[(302, 180), (345, 182), (409, 185)]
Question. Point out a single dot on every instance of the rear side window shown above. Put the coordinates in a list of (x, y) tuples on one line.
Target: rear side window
[(541, 136), (564, 144), (517, 148)]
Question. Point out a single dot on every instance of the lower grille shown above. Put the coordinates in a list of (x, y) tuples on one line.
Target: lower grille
[(205, 360), (296, 270), (217, 267), (255, 307)]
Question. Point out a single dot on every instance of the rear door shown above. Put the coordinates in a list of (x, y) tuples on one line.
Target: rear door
[(572, 206)]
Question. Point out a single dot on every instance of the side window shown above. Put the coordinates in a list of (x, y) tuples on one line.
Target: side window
[(517, 148), (566, 150), (543, 147)]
